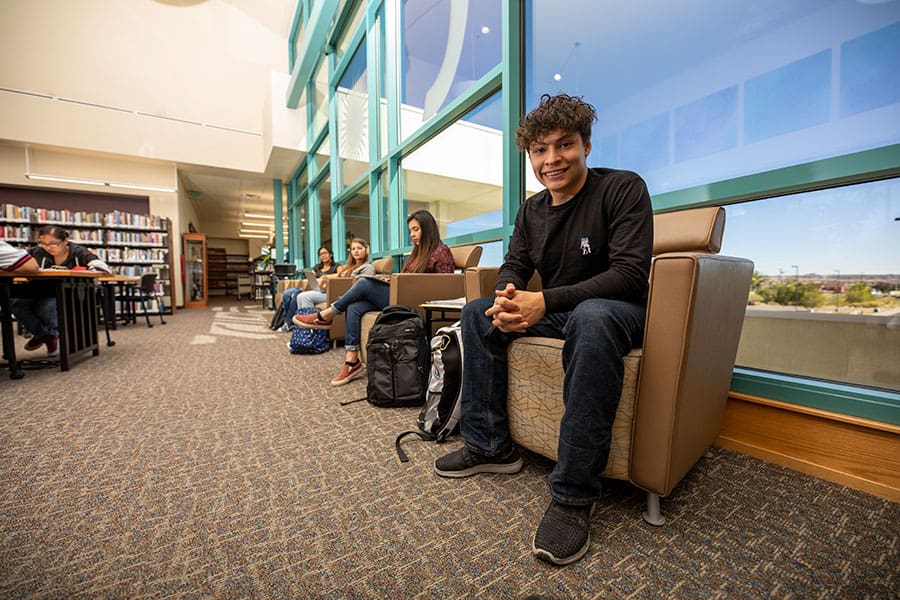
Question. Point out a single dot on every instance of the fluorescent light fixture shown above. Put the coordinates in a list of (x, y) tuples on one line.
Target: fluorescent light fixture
[(116, 184), (256, 231), (250, 235), (257, 216), (65, 179), (249, 224)]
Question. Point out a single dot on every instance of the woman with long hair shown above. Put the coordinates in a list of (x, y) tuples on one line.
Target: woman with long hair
[(357, 265), (429, 255), (325, 266)]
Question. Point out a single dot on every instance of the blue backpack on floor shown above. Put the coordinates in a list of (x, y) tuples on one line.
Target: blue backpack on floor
[(309, 341)]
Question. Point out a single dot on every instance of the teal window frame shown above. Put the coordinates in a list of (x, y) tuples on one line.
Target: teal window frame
[(324, 27)]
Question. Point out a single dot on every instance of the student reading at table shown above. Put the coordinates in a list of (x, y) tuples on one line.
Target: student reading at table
[(36, 311)]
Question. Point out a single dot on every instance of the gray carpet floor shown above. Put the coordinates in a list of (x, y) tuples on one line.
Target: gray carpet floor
[(200, 459)]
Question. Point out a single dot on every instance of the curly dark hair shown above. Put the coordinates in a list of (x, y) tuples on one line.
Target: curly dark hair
[(561, 112)]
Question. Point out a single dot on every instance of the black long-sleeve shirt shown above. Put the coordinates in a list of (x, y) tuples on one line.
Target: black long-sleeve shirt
[(78, 256), (597, 245)]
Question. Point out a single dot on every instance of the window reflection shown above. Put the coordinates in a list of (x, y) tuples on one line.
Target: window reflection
[(320, 99), (748, 88), (324, 189), (458, 175), (447, 47), (825, 297), (350, 29), (353, 119), (356, 218), (322, 153)]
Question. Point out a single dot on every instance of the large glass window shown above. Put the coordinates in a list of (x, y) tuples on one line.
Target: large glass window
[(324, 189), (458, 175), (322, 154), (384, 192), (350, 28), (320, 99), (356, 218), (447, 47), (747, 88), (352, 100), (825, 300), (382, 132)]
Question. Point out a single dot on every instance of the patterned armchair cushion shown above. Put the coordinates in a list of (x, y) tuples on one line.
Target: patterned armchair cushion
[(535, 401)]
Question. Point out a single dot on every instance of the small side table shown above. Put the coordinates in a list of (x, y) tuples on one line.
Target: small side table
[(440, 312)]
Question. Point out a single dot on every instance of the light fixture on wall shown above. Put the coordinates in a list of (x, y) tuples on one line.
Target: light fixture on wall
[(98, 182)]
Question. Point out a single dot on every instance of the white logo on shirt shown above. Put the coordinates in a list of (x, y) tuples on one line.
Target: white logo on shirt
[(585, 246)]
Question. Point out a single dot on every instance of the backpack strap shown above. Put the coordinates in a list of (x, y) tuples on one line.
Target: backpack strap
[(346, 402), (426, 437)]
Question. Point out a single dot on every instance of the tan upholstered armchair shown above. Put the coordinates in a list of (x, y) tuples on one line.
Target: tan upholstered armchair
[(413, 289), (339, 285), (676, 385)]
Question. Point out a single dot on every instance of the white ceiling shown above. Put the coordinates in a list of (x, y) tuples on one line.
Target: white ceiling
[(223, 195)]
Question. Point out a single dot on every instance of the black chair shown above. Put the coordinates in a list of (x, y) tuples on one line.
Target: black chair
[(143, 294)]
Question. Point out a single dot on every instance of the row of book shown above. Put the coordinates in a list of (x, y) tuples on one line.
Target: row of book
[(138, 270), (46, 216), (23, 235), (132, 255), (15, 233)]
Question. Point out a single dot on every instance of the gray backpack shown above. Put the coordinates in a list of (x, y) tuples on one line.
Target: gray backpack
[(439, 418)]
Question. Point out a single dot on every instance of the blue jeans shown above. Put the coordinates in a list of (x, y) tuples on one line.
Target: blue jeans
[(310, 298), (289, 302), (365, 295), (37, 315), (598, 333)]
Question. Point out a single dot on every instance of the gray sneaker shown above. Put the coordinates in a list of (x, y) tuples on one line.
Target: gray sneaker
[(564, 534), (464, 462)]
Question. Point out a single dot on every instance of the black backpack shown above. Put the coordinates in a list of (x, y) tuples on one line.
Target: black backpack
[(278, 318), (439, 418), (397, 358)]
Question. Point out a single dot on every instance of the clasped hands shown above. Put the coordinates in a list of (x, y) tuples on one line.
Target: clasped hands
[(514, 310)]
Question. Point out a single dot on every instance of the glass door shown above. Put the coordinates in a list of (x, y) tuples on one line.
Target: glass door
[(195, 290)]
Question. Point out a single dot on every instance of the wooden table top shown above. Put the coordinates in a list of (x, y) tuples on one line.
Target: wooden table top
[(51, 273)]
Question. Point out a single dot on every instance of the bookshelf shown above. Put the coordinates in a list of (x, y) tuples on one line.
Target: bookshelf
[(217, 273), (261, 287), (225, 265), (131, 244)]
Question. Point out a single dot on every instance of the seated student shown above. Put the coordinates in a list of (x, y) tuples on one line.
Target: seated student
[(589, 234), (357, 265), (37, 311), (429, 255), (14, 259), (326, 266)]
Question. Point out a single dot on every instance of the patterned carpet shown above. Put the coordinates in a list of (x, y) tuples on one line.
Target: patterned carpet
[(201, 460)]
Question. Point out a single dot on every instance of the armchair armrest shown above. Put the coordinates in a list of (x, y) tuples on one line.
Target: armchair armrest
[(286, 284), (480, 282)]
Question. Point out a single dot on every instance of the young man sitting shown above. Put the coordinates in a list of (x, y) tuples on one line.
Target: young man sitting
[(589, 235)]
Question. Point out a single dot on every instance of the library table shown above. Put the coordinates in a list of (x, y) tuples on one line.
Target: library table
[(121, 284), (76, 311)]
